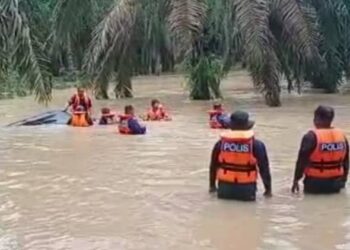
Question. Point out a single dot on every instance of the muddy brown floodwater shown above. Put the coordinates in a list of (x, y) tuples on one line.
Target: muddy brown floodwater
[(90, 188)]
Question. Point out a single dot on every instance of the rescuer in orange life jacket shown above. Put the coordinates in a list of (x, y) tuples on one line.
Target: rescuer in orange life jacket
[(79, 118), (157, 112), (323, 156), (236, 160), (128, 123), (80, 102), (80, 99)]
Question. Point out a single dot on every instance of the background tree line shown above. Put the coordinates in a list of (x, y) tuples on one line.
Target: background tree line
[(109, 41)]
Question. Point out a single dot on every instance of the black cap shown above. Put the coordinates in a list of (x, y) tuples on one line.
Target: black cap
[(240, 120)]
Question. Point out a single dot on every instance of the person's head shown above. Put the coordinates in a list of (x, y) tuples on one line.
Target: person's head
[(106, 112), (129, 110), (240, 121), (81, 91), (155, 103), (217, 106), (323, 116)]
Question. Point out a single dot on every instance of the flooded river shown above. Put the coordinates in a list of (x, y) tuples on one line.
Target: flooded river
[(90, 188)]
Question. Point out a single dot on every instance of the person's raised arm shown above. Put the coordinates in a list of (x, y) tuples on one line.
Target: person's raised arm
[(69, 103)]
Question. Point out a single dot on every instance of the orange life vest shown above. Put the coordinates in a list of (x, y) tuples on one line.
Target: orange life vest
[(213, 120), (79, 119), (156, 115), (326, 161), (237, 162), (123, 126)]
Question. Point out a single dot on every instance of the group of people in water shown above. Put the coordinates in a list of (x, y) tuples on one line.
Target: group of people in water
[(239, 157), (81, 106)]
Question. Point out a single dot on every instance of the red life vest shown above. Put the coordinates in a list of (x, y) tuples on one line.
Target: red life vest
[(326, 162), (213, 119), (78, 101), (237, 162), (156, 115), (123, 126)]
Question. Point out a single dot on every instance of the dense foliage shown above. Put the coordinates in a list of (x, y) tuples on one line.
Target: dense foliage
[(110, 41)]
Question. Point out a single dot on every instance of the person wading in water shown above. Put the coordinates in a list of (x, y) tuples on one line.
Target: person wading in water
[(80, 102), (157, 112), (323, 156), (128, 123), (236, 160)]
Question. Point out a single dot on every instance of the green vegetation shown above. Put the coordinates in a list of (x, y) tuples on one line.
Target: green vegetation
[(109, 41)]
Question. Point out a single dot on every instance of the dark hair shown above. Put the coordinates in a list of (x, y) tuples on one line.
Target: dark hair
[(105, 110), (154, 101), (128, 108), (217, 106), (324, 113)]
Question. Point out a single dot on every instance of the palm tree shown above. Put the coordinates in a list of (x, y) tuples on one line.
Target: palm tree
[(332, 19), (72, 25), (272, 37), (132, 38), (266, 25), (22, 51), (213, 51), (114, 38)]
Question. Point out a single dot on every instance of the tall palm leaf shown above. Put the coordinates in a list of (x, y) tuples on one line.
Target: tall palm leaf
[(253, 19), (298, 32), (111, 40), (153, 41), (186, 19), (261, 44), (72, 24), (194, 22), (22, 52), (333, 19)]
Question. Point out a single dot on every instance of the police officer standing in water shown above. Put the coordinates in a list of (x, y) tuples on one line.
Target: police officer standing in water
[(236, 160), (323, 156)]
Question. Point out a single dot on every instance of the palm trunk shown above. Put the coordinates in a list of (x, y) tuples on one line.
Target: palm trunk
[(123, 87), (200, 85), (167, 61), (70, 60), (345, 89), (200, 91), (101, 88), (158, 64), (61, 65), (290, 83), (272, 93), (102, 92), (298, 83), (272, 98)]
